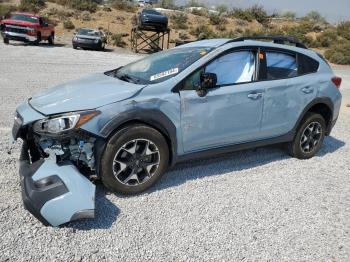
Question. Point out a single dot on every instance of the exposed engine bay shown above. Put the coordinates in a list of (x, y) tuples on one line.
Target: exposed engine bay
[(76, 147)]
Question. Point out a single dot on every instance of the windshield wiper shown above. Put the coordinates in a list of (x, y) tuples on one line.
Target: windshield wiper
[(129, 78)]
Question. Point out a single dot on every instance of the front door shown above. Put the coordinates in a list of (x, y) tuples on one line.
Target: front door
[(228, 114)]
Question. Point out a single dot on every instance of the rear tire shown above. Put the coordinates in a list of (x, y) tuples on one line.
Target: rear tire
[(309, 137), (51, 39), (6, 40), (134, 159)]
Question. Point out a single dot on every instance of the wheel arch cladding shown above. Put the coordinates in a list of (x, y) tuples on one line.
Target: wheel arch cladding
[(324, 107), (149, 117)]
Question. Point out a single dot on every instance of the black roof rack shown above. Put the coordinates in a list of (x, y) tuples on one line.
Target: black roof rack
[(277, 39)]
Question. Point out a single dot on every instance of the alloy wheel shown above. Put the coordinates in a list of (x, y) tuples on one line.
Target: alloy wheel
[(311, 137), (136, 162)]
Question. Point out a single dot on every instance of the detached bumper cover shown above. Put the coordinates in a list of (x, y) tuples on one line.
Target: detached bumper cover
[(55, 194)]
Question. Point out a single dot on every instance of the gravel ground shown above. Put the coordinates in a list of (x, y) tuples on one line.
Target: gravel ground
[(254, 205)]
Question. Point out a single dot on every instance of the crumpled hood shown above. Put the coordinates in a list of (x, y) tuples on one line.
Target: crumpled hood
[(83, 94)]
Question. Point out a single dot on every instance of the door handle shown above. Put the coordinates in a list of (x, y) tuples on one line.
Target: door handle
[(254, 96), (307, 90)]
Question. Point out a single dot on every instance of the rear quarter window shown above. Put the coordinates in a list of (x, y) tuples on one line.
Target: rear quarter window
[(307, 65)]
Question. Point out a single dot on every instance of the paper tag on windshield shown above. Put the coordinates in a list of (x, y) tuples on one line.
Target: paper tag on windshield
[(172, 71)]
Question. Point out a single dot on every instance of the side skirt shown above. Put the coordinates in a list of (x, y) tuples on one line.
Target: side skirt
[(232, 148)]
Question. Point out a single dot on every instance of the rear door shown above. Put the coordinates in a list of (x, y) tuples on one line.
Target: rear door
[(287, 92)]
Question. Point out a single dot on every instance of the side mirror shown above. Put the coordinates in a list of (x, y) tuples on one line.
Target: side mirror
[(207, 81)]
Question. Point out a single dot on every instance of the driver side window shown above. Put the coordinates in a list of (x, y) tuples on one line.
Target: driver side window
[(232, 68)]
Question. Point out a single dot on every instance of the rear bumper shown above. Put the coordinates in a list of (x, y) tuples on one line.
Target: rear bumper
[(18, 36), (55, 194)]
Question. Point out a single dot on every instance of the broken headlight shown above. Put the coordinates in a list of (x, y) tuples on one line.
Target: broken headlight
[(63, 123)]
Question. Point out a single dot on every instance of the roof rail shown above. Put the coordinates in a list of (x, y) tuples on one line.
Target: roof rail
[(277, 39)]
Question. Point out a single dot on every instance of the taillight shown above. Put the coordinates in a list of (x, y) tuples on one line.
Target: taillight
[(336, 81)]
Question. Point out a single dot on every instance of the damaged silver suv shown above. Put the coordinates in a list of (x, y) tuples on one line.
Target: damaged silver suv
[(128, 125)]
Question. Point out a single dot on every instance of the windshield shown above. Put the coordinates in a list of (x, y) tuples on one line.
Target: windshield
[(31, 19), (88, 32), (161, 66), (151, 11)]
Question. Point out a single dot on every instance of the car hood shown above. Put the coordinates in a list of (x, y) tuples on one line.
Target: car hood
[(87, 93), (17, 22)]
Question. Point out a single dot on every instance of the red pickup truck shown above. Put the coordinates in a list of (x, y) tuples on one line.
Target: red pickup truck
[(26, 27)]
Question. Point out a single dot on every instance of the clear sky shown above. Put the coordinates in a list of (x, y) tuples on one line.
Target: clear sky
[(333, 10)]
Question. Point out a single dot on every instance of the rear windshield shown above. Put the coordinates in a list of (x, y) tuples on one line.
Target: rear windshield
[(161, 66), (25, 18)]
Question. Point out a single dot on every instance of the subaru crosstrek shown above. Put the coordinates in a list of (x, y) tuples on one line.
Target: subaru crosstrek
[(128, 125)]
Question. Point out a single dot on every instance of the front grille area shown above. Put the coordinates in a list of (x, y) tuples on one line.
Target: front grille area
[(16, 29), (86, 40)]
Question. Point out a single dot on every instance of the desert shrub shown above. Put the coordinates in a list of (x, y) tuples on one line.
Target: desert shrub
[(31, 5), (314, 16), (120, 19), (168, 4), (200, 12), (106, 9), (85, 16), (339, 53), (326, 39), (203, 32), (117, 40), (68, 24), (241, 14), (343, 30), (241, 22), (179, 21), (123, 5), (221, 9), (255, 12), (259, 13), (214, 19), (183, 35), (229, 34), (83, 5), (6, 10), (221, 27)]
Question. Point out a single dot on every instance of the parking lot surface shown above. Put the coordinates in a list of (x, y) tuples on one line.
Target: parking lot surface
[(253, 205)]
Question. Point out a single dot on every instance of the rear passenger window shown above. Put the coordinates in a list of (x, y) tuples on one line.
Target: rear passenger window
[(307, 65), (280, 66)]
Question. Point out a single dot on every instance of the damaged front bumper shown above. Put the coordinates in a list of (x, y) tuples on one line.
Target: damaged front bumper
[(55, 193)]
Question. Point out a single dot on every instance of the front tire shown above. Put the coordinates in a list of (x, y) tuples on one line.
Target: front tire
[(134, 159), (309, 137), (6, 41), (38, 39)]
